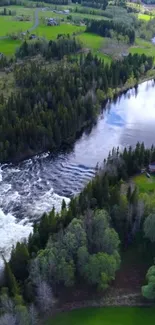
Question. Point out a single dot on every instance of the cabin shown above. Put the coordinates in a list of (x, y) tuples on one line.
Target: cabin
[(151, 168), (51, 22), (32, 36), (66, 11)]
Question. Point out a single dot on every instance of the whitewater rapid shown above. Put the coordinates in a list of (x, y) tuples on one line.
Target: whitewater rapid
[(34, 186)]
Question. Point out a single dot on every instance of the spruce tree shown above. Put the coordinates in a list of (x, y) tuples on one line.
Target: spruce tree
[(10, 280)]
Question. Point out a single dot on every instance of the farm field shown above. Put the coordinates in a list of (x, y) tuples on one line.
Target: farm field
[(8, 25), (106, 316), (144, 183), (51, 32), (95, 43), (143, 47), (8, 46), (20, 10), (73, 14), (92, 41), (144, 17)]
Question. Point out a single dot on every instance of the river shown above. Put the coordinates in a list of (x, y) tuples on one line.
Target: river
[(35, 185)]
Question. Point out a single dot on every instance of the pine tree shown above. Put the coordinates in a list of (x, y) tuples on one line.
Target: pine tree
[(10, 280), (19, 261)]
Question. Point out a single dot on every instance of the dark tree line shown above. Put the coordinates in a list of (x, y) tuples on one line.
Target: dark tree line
[(100, 4), (64, 45), (105, 28), (11, 2), (5, 61), (104, 191), (52, 103), (6, 12), (56, 2)]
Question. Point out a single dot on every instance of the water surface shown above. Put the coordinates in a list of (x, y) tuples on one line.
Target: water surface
[(35, 185)]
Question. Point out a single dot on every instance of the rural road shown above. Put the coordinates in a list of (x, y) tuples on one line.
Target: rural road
[(36, 20), (36, 23)]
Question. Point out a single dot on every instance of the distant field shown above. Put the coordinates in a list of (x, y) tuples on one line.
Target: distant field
[(73, 14), (95, 44), (51, 32), (8, 25), (106, 316), (144, 183), (20, 10), (92, 41), (105, 57), (143, 47), (8, 46), (144, 17)]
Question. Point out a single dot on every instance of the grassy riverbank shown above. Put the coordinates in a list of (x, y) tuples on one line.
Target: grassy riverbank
[(105, 316), (144, 183)]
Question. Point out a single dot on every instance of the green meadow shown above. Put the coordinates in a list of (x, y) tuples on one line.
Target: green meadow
[(51, 32), (9, 25), (143, 47), (144, 17), (105, 316), (73, 14), (20, 10), (144, 183), (8, 46), (91, 41), (95, 43)]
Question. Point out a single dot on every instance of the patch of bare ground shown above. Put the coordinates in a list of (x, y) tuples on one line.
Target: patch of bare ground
[(115, 49)]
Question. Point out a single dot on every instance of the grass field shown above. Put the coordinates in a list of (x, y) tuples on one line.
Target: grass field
[(20, 10), (143, 47), (144, 183), (144, 17), (106, 316), (95, 44), (8, 46), (8, 25), (92, 41), (51, 32), (73, 14)]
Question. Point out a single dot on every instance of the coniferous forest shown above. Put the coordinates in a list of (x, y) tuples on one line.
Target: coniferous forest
[(52, 101), (106, 28), (85, 241), (54, 95)]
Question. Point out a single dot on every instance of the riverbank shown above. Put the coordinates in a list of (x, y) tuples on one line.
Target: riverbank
[(34, 186), (107, 316), (68, 143)]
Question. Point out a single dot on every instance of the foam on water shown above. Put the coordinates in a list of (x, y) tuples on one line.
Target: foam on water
[(11, 231), (36, 185), (49, 200), (1, 174)]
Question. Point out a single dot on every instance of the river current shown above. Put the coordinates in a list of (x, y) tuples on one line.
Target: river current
[(36, 185)]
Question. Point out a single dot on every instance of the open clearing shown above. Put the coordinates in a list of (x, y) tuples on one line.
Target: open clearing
[(106, 316), (143, 47), (8, 25), (8, 46), (144, 183), (51, 32), (103, 48), (20, 10), (95, 43), (144, 17), (73, 14), (92, 41)]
